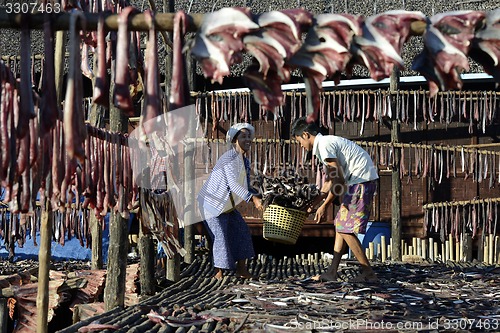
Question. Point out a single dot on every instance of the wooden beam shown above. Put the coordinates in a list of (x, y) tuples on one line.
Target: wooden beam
[(96, 119), (147, 257), (114, 292), (173, 265), (396, 180), (44, 254)]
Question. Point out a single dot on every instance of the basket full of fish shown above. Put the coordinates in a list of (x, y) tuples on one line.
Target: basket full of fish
[(286, 199)]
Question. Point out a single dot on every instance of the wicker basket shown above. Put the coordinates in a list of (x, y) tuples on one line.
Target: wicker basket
[(283, 225)]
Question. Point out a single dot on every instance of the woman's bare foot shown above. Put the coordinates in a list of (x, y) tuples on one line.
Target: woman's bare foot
[(219, 274)]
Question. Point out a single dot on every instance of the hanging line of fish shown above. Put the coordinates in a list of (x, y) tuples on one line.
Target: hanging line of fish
[(335, 43), (456, 218), (478, 109), (159, 217), (438, 162)]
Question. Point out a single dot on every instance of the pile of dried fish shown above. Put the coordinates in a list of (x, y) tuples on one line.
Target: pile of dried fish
[(451, 297), (289, 190)]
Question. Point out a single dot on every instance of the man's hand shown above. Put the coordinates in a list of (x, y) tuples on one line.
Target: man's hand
[(320, 212)]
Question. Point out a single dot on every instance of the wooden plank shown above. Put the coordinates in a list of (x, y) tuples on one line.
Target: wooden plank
[(114, 292), (396, 180)]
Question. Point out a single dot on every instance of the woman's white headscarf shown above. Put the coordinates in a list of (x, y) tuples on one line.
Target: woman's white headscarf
[(233, 130)]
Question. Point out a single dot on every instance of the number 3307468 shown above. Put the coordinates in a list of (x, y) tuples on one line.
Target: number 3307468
[(32, 7)]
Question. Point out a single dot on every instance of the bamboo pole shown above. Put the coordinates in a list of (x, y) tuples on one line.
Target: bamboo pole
[(423, 248), (459, 203), (371, 250), (497, 249), (383, 249), (445, 251), (363, 91), (452, 247), (436, 250), (486, 247), (163, 21), (491, 244), (461, 251), (431, 249), (363, 144)]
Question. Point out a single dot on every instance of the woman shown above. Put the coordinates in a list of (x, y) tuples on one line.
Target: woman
[(230, 179)]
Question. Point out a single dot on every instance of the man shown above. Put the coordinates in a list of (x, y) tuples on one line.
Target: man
[(351, 176)]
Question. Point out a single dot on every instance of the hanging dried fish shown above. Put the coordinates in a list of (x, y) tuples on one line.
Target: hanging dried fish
[(487, 159), (462, 159), (479, 169), (454, 161), (474, 221), (328, 109), (101, 86), (402, 168), (151, 110), (75, 130), (447, 162), (491, 184), (383, 155), (418, 161), (410, 180), (445, 218), (363, 113), (26, 107), (387, 108), (441, 165), (122, 97)]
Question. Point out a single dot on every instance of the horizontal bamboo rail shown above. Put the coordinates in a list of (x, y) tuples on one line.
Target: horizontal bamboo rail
[(466, 149), (163, 21), (459, 203), (462, 94)]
